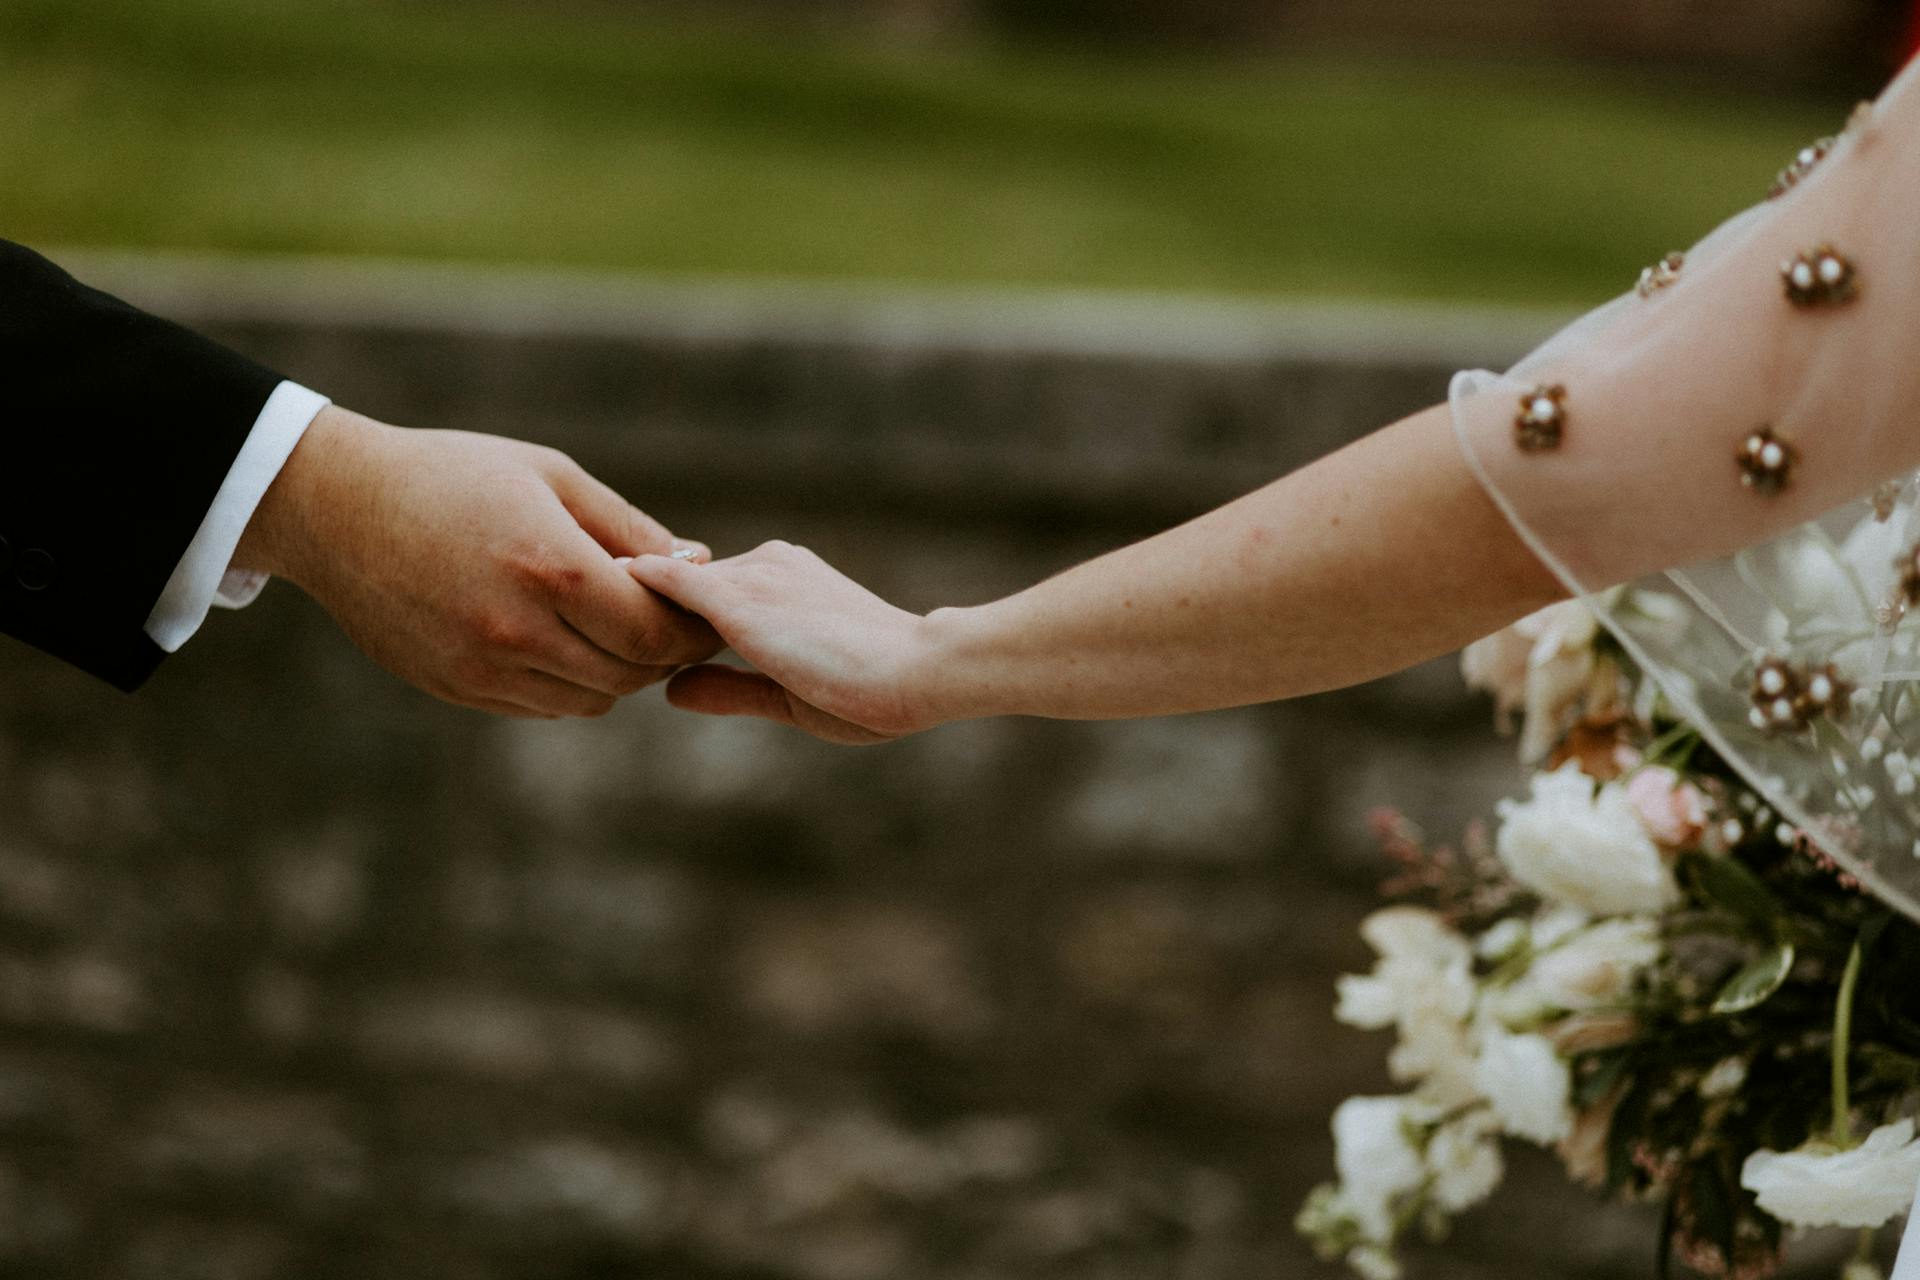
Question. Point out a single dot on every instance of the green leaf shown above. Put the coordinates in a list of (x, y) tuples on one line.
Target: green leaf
[(1728, 884), (1754, 985), (1603, 1071)]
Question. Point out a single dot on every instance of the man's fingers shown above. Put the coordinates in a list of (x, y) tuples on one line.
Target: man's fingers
[(612, 609), (550, 695), (609, 519), (574, 658), (716, 690), (513, 710)]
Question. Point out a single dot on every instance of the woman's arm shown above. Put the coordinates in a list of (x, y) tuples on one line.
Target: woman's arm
[(1766, 382), (1367, 561)]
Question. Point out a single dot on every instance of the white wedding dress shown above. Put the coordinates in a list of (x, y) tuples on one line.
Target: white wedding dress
[(1724, 463)]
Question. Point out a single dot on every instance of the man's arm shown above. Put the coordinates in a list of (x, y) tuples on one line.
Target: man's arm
[(147, 461), (119, 429)]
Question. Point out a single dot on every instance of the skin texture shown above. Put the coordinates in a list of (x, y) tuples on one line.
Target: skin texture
[(1371, 559), (488, 572)]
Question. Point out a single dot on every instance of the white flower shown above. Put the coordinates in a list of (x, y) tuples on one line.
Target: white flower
[(1539, 665), (1423, 986), (1818, 1186), (1727, 1078), (1377, 1159), (1593, 968), (1370, 1262), (1498, 665), (1503, 939), (1436, 1053), (1424, 964), (1582, 848), (1555, 924), (1829, 594), (1527, 1084), (1464, 1159)]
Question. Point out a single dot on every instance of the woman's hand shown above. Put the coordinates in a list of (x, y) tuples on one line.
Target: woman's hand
[(832, 658)]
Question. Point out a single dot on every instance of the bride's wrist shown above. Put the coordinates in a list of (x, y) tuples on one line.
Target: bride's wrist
[(955, 677)]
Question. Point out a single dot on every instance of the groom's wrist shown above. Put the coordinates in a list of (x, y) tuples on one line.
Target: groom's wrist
[(290, 524)]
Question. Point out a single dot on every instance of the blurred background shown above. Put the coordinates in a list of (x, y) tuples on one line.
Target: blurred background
[(305, 975)]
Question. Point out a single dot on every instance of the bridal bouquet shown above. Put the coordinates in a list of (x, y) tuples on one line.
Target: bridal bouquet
[(1643, 969)]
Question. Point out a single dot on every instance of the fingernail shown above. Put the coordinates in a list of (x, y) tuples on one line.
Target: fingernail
[(685, 553), (623, 561)]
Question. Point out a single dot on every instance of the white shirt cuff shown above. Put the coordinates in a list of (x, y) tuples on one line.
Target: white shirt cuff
[(204, 577)]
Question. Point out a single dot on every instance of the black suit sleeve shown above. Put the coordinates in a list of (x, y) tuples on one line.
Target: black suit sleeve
[(116, 431)]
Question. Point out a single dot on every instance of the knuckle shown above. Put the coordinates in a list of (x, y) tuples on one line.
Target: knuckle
[(542, 569), (497, 631), (565, 580), (644, 642), (554, 460)]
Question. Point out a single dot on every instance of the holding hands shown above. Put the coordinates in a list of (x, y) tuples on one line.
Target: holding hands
[(832, 658)]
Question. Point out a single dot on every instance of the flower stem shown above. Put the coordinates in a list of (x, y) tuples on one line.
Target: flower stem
[(1843, 1050), (1863, 1252)]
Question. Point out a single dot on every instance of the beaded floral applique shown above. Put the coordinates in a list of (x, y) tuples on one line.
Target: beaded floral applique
[(1802, 164), (1661, 274), (1542, 419), (1766, 461), (1787, 697), (1821, 277)]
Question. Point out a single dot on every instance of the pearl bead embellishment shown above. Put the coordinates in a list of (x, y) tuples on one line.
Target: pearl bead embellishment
[(1822, 277), (1788, 697), (1542, 419), (1803, 163), (1661, 274), (1766, 461)]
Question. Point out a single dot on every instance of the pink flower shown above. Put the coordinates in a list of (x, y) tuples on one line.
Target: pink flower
[(1674, 812)]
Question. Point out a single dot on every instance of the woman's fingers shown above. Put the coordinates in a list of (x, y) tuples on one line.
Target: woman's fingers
[(716, 690), (689, 584)]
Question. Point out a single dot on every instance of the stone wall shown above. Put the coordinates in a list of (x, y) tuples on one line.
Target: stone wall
[(305, 975)]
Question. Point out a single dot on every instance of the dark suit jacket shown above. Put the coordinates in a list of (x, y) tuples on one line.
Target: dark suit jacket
[(116, 430)]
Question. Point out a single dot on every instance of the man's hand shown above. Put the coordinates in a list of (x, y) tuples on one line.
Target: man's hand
[(486, 571)]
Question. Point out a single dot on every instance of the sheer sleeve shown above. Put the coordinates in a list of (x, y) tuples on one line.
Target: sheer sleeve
[(1723, 461)]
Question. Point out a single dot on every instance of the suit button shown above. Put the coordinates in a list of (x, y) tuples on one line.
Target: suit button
[(34, 571)]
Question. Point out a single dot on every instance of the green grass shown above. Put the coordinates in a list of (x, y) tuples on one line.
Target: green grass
[(478, 132)]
